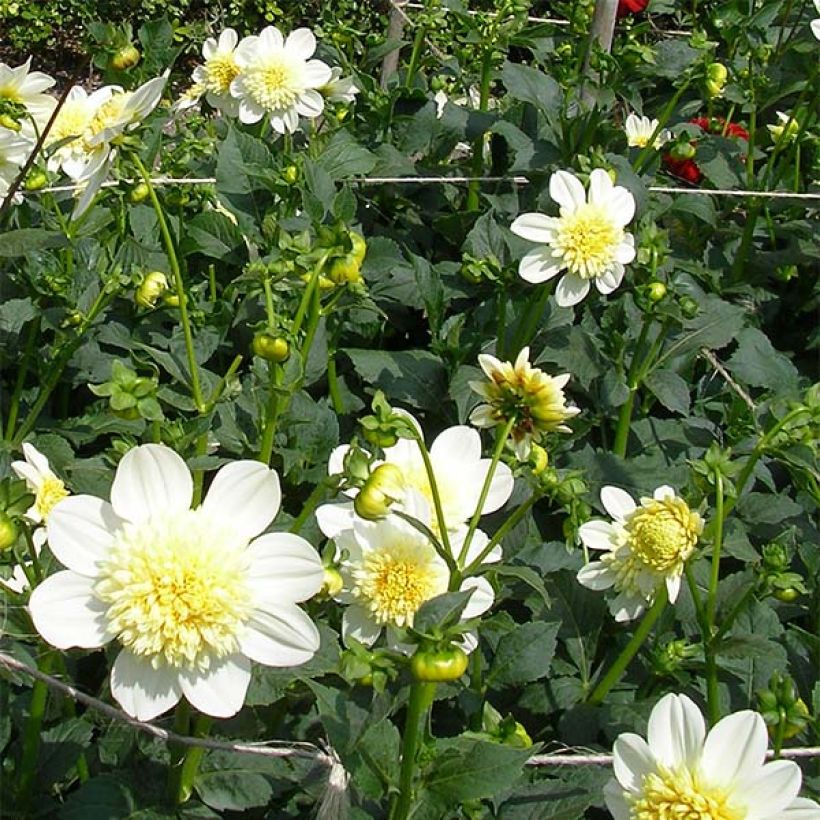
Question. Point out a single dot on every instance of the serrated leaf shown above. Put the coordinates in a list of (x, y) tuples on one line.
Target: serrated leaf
[(531, 85), (344, 157), (757, 363), (524, 655), (213, 235), (14, 313), (441, 611), (526, 575), (469, 769), (669, 389), (104, 797), (27, 240)]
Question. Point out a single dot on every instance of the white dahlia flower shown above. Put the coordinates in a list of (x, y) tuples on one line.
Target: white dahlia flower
[(587, 240), (681, 771), (639, 130), (191, 595), (643, 548), (14, 151), (278, 79), (213, 79), (23, 87), (390, 569)]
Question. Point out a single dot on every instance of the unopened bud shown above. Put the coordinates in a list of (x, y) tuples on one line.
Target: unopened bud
[(152, 288), (384, 487)]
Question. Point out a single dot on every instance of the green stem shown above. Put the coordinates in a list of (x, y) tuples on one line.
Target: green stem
[(182, 725), (615, 671), (59, 362), (421, 698), (31, 736), (525, 331), (500, 440), (272, 412), (501, 323), (26, 567), (315, 315), (478, 143), (179, 287), (191, 761), (711, 606), (333, 383), (221, 384), (700, 613), (22, 372), (431, 480), (32, 554), (198, 475), (269, 310), (312, 284), (415, 56), (511, 522), (313, 501), (448, 559), (633, 382)]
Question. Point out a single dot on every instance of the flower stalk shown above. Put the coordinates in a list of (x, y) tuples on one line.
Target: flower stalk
[(711, 603)]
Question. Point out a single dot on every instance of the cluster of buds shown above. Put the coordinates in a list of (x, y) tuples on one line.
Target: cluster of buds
[(716, 76), (130, 396), (344, 267), (782, 708), (503, 729), (384, 427), (775, 575), (670, 658)]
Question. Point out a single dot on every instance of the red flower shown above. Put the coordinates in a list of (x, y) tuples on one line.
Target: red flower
[(687, 169), (631, 7)]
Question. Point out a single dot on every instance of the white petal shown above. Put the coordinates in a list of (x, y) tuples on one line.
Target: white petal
[(596, 535), (66, 613), (151, 479), (37, 460), (600, 187), (481, 599), (617, 502), (626, 607), (280, 636), (801, 808), (610, 280), (219, 692), (567, 191), (270, 39), (663, 493), (676, 731), (571, 290), (621, 206), (228, 40), (310, 104), (673, 587), (141, 690), (501, 487), (81, 531), (625, 252), (596, 575), (615, 801), (315, 75), (301, 43), (334, 519), (538, 266), (283, 568), (248, 493), (534, 227), (735, 748), (356, 623), (456, 446), (632, 760), (479, 541), (772, 788), (336, 462), (209, 49)]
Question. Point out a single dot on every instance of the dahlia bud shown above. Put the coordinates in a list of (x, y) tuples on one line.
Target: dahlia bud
[(384, 487), (152, 288)]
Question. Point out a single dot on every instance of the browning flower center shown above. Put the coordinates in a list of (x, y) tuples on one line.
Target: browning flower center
[(677, 795), (586, 241), (176, 590)]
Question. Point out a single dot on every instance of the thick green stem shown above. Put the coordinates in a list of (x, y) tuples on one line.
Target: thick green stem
[(31, 737), (271, 412), (182, 725), (313, 501), (333, 383), (22, 371), (478, 143), (632, 382), (179, 286), (191, 761), (501, 439), (711, 605), (59, 362), (198, 476), (307, 296), (615, 671), (415, 57), (441, 522), (421, 698)]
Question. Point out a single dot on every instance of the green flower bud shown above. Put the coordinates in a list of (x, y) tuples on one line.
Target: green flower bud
[(384, 487), (35, 180), (153, 286), (688, 307), (125, 58), (656, 291), (8, 532)]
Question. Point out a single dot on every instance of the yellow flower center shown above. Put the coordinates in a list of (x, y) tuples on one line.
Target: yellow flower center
[(639, 140), (10, 93), (50, 491), (176, 589), (586, 241), (678, 795), (273, 84), (111, 113), (71, 121), (397, 578), (662, 534), (220, 73)]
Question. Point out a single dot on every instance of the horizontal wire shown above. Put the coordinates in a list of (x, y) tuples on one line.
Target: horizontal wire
[(442, 180), (282, 748)]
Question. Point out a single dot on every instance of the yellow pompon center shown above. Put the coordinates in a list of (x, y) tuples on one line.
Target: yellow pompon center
[(221, 71), (176, 589), (272, 83), (50, 491), (663, 534), (586, 240)]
